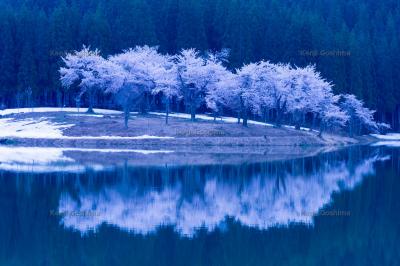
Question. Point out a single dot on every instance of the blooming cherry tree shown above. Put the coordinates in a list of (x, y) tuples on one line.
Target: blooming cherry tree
[(193, 79), (81, 68), (137, 74), (360, 117), (166, 82), (218, 79), (247, 91), (141, 71)]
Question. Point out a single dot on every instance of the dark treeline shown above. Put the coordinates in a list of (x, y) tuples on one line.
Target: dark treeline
[(354, 43)]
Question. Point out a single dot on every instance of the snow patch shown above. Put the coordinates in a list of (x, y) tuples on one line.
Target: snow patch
[(57, 109), (225, 119), (102, 112), (31, 128), (86, 115), (116, 137), (44, 129)]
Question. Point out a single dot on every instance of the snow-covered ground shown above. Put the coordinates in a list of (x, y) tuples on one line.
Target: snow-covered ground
[(43, 128), (225, 119), (86, 115), (209, 118), (31, 128), (115, 137), (56, 109), (102, 112)]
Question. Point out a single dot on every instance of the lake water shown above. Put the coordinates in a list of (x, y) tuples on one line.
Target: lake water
[(336, 208)]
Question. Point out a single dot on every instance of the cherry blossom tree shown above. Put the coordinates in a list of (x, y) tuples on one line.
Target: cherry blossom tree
[(192, 78), (329, 113), (166, 82), (218, 77), (138, 65), (312, 94), (281, 83), (360, 117), (269, 88), (136, 74), (80, 68), (305, 88), (140, 70), (247, 90), (225, 95)]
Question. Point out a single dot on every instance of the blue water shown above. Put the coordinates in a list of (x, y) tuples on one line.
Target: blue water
[(337, 208)]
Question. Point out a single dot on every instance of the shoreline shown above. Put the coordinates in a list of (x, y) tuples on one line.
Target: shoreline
[(175, 143), (45, 127)]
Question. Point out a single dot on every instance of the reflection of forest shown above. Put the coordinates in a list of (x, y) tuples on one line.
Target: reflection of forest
[(185, 198)]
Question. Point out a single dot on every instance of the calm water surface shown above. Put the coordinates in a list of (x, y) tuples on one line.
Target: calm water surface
[(337, 208)]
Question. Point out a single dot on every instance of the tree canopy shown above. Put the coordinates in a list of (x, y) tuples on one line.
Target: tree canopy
[(202, 80)]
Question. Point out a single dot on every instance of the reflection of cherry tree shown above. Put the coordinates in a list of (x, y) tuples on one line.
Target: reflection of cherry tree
[(262, 202)]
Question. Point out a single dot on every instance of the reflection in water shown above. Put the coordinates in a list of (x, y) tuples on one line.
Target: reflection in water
[(51, 160), (269, 196), (21, 159), (138, 214)]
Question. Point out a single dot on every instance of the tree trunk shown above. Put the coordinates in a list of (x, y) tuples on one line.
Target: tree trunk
[(245, 122), (278, 117), (245, 118), (265, 114), (126, 114), (238, 117), (297, 121), (279, 113), (91, 100), (398, 117), (167, 103), (192, 112), (243, 112), (144, 103), (312, 122), (321, 130)]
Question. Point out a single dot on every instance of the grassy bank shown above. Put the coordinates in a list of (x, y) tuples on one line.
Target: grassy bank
[(71, 129)]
